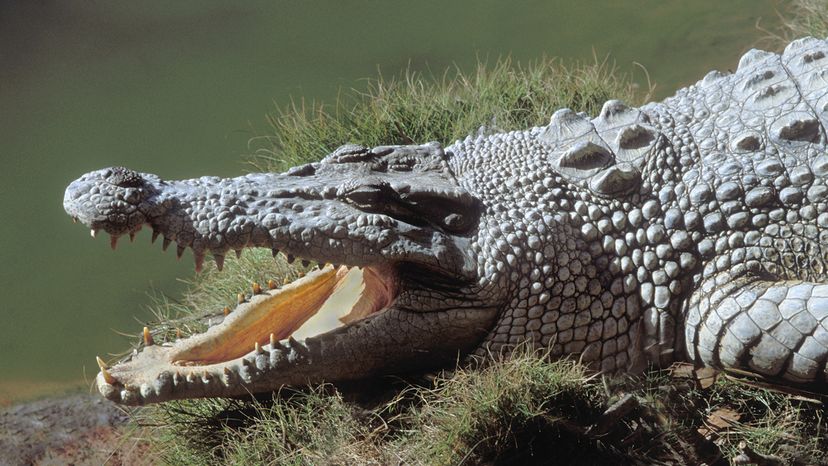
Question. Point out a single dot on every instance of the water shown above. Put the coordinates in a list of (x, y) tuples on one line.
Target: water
[(177, 88)]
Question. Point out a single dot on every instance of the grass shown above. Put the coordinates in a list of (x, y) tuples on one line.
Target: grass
[(803, 18), (524, 410), (416, 108)]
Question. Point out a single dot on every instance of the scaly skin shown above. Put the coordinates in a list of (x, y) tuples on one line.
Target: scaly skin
[(692, 229)]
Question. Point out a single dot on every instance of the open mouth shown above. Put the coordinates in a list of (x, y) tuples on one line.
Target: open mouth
[(256, 334)]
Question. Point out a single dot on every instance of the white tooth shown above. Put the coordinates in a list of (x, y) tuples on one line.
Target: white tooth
[(93, 233)]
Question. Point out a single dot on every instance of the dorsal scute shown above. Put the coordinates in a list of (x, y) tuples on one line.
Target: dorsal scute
[(604, 154)]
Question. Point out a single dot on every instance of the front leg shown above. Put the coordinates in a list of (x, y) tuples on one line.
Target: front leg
[(777, 329)]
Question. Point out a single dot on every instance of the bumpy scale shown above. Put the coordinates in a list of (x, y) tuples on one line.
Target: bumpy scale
[(691, 229)]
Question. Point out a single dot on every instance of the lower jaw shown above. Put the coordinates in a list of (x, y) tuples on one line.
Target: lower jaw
[(273, 330)]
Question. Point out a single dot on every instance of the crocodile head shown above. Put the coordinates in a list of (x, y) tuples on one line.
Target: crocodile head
[(405, 294)]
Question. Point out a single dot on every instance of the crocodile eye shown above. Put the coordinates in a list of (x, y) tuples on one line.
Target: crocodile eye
[(365, 196)]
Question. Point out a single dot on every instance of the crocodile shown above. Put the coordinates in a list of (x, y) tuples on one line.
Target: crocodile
[(693, 229)]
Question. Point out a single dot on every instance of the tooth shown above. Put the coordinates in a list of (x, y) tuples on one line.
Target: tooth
[(199, 262), (105, 371), (238, 253), (272, 342), (178, 333), (177, 378), (290, 258), (286, 281), (219, 258), (166, 243), (190, 377), (301, 274), (305, 263), (101, 363), (155, 234), (272, 285), (74, 219), (131, 236), (257, 289), (250, 364), (199, 258), (240, 298), (148, 341), (274, 251), (226, 311), (206, 377), (93, 233), (179, 250), (256, 348), (113, 242)]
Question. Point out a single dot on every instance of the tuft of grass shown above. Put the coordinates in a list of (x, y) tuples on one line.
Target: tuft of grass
[(805, 18), (417, 108), (789, 426), (515, 410), (311, 426)]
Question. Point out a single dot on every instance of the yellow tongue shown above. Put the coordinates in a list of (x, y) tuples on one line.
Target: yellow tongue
[(280, 312)]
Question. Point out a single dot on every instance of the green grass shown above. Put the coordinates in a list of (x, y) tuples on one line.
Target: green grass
[(804, 18), (417, 108)]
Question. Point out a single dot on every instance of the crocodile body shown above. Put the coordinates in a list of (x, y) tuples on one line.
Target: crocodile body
[(693, 229)]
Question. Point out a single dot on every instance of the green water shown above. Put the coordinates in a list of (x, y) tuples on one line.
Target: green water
[(177, 88)]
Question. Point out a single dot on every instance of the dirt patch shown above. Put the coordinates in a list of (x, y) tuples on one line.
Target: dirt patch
[(76, 429)]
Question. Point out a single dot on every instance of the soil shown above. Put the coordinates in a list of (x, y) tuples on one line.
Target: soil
[(76, 429)]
